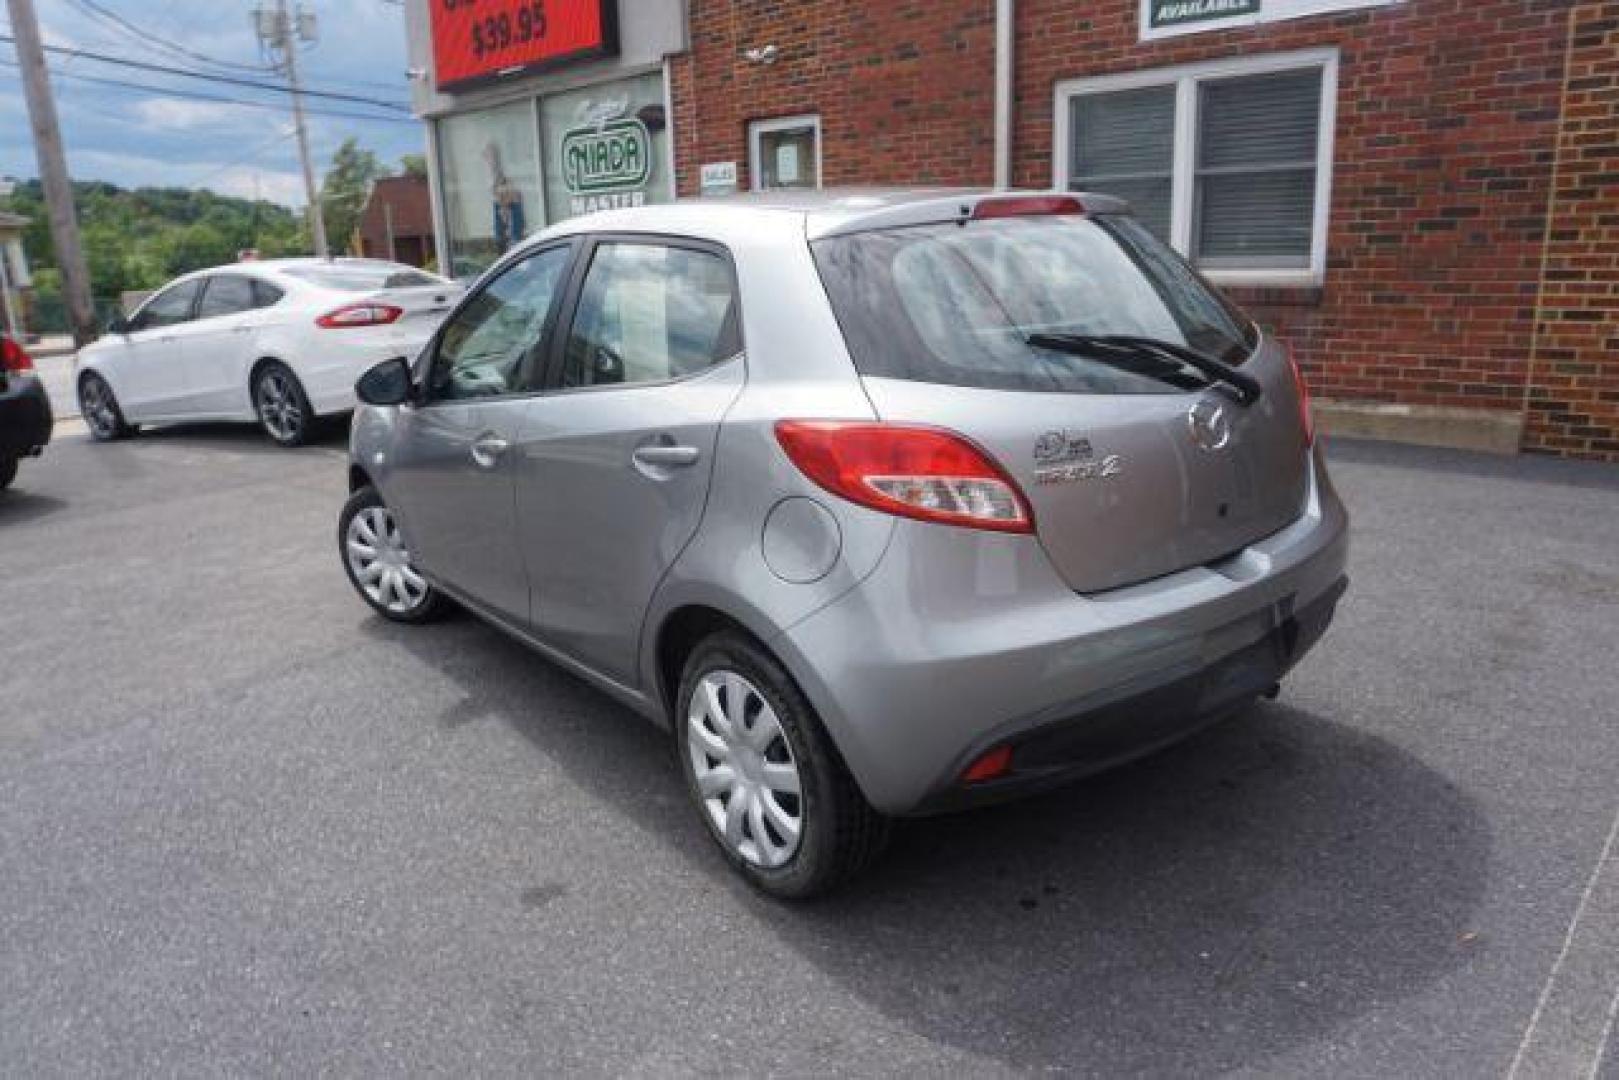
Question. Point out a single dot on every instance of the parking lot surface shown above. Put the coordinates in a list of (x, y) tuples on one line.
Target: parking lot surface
[(246, 827)]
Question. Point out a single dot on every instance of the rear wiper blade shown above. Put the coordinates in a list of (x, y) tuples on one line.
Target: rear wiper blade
[(1247, 387), (1148, 363)]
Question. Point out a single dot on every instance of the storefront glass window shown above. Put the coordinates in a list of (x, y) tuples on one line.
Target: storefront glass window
[(606, 147), (491, 190)]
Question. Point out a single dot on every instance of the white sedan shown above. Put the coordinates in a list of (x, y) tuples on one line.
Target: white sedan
[(279, 342)]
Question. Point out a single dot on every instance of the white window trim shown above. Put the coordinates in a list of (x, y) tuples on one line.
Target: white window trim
[(757, 128), (1185, 78)]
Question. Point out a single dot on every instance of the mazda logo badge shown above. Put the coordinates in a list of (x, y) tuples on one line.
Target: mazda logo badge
[(1210, 426)]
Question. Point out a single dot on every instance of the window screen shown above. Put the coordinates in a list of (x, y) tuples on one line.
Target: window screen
[(1256, 165), (1124, 145)]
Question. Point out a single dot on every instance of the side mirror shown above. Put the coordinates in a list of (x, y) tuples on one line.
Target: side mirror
[(118, 325), (386, 384)]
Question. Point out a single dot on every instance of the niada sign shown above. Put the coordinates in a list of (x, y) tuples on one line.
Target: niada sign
[(607, 165)]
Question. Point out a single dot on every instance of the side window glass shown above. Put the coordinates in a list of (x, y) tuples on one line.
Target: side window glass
[(169, 307), (266, 295), (649, 313), (482, 349), (226, 295)]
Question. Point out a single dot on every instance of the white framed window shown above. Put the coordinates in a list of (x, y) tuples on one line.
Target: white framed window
[(785, 153), (1230, 161)]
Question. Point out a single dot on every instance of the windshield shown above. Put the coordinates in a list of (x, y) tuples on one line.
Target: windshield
[(363, 277), (957, 303)]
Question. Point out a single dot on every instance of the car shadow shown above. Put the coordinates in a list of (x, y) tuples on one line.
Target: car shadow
[(18, 505), (331, 432), (1198, 911)]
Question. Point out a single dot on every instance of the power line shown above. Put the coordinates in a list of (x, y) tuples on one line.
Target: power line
[(229, 80), (146, 37), (193, 95)]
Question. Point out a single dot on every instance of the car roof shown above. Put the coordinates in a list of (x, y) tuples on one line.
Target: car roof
[(824, 212)]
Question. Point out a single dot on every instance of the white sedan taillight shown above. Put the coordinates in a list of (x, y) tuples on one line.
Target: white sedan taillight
[(362, 314)]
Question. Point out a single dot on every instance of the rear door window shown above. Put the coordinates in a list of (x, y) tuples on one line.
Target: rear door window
[(226, 294), (955, 303), (650, 312)]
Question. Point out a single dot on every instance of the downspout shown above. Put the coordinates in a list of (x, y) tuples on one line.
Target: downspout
[(1004, 19)]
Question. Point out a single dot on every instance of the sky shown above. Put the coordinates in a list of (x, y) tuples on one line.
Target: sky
[(159, 137)]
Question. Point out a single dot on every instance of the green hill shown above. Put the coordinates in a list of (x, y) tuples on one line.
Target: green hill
[(139, 239)]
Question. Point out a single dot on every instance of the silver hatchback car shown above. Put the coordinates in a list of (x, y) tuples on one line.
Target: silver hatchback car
[(884, 503)]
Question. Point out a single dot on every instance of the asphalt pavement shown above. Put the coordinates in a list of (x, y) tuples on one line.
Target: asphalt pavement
[(248, 828)]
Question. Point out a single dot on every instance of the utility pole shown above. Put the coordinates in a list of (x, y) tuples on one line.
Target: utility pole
[(53, 173), (281, 30)]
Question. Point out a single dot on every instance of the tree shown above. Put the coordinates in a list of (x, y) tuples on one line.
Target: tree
[(414, 166), (345, 190)]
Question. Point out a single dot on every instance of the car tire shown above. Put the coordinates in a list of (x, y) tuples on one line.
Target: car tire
[(838, 832), (8, 472), (102, 413), (282, 406), (378, 564)]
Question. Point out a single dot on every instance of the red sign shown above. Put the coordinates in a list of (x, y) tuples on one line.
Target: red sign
[(475, 40)]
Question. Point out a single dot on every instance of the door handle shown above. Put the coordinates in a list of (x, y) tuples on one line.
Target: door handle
[(243, 329), (487, 450), (667, 457)]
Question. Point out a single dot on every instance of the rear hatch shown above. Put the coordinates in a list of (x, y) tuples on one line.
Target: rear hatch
[(1134, 462)]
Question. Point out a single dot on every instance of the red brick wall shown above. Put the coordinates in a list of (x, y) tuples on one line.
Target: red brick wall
[(905, 88), (1447, 128), (1574, 385), (1446, 125)]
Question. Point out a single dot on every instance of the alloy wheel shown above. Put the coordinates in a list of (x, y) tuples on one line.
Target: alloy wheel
[(95, 399), (380, 562), (279, 407), (744, 768)]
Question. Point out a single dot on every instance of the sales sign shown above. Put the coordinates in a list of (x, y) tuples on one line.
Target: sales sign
[(478, 40)]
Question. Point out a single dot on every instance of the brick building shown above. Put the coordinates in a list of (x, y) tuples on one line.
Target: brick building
[(397, 222), (1421, 195)]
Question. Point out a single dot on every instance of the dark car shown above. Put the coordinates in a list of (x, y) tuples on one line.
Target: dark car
[(25, 411)]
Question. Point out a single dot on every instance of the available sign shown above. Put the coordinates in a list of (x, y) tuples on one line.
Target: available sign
[(1171, 18), (614, 156), (478, 40), (1175, 12)]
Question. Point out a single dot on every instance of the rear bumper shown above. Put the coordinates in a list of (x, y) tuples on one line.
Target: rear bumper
[(961, 642), (1156, 716), (25, 416)]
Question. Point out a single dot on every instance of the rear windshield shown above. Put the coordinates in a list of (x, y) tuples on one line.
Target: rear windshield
[(362, 278), (953, 303)]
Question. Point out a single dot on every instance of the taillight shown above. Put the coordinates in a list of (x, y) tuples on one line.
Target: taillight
[(916, 472), (1306, 415), (1026, 206), (362, 314), (12, 356), (991, 766)]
